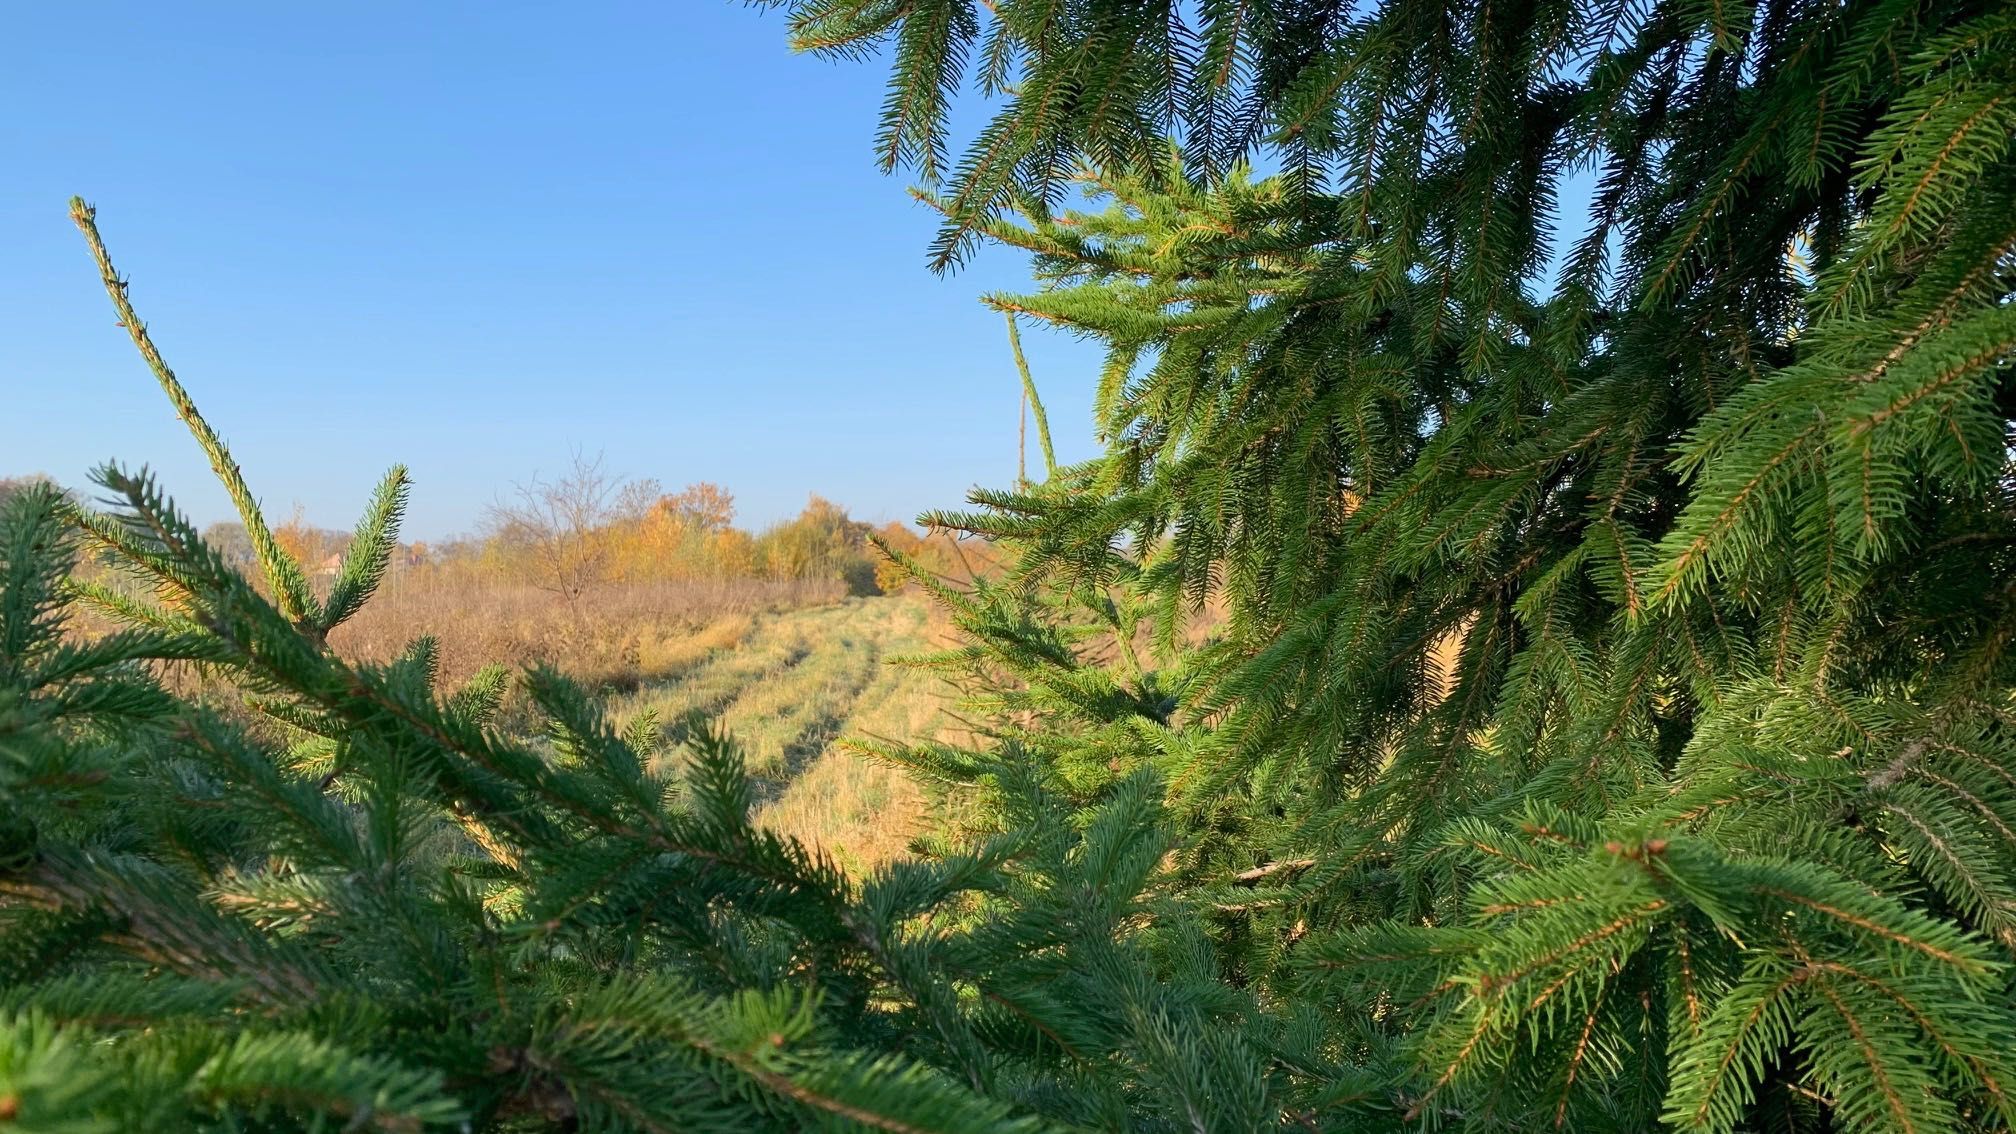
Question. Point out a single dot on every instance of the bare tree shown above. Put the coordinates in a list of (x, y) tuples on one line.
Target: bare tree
[(10, 485), (558, 523)]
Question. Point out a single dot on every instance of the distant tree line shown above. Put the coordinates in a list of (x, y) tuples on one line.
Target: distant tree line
[(588, 527)]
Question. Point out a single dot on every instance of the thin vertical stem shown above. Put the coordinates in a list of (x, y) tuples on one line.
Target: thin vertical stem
[(1022, 439), (1030, 397), (290, 586)]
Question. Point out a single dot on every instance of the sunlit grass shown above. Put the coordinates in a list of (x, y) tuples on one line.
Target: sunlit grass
[(794, 684)]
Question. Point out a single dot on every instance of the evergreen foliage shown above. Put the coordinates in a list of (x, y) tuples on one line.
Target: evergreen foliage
[(1610, 719), (344, 901), (1606, 722)]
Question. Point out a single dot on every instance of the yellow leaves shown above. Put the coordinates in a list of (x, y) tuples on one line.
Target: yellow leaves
[(309, 546)]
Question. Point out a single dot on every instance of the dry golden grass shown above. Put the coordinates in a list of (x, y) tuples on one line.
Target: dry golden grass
[(797, 683), (787, 667), (614, 636)]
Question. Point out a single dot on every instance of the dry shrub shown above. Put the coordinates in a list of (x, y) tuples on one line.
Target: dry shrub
[(608, 636)]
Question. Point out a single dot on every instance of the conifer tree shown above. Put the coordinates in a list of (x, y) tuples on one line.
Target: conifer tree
[(1604, 720), (1595, 429), (325, 896)]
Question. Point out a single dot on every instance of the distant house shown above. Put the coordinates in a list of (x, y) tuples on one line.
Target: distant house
[(330, 567)]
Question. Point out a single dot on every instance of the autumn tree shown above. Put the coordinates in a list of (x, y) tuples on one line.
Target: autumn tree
[(821, 542), (555, 525)]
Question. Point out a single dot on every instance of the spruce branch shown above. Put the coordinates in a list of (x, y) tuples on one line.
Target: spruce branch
[(283, 574)]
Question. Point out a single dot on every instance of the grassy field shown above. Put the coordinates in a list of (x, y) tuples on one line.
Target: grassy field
[(788, 684), (787, 667), (613, 636)]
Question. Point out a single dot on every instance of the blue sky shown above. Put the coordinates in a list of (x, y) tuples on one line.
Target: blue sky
[(473, 238)]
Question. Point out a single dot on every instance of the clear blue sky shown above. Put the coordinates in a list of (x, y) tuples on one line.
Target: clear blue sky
[(474, 237)]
